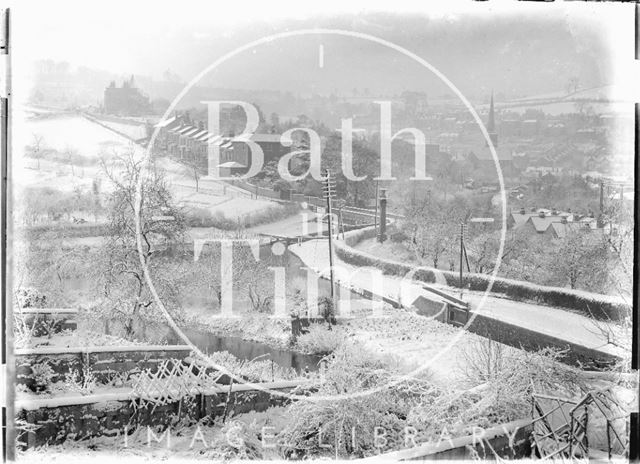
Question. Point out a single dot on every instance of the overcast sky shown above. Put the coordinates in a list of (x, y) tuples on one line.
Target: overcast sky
[(519, 49)]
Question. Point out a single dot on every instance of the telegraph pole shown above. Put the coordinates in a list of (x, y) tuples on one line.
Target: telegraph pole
[(461, 252), (375, 218), (329, 190)]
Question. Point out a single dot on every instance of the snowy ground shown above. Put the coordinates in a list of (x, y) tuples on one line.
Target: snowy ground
[(417, 344)]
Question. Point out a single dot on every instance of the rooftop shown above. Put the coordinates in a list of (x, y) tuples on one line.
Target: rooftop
[(270, 138)]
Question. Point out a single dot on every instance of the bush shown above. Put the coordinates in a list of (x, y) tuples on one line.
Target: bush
[(42, 375), (255, 370), (84, 383), (28, 297), (339, 424), (319, 339)]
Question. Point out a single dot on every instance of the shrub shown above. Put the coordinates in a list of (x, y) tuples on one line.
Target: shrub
[(342, 426), (84, 384), (42, 375), (319, 339), (255, 370), (30, 298)]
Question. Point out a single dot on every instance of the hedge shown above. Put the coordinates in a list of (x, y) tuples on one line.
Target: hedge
[(601, 307)]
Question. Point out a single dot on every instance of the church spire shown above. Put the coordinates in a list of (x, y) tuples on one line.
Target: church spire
[(491, 124)]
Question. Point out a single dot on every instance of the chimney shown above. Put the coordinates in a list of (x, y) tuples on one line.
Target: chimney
[(541, 214), (554, 212), (564, 219), (522, 211)]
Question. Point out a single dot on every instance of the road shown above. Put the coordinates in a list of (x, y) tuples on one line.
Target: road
[(556, 322)]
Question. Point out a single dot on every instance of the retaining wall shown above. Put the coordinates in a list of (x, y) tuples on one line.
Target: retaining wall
[(46, 321), (104, 361), (521, 337), (118, 413)]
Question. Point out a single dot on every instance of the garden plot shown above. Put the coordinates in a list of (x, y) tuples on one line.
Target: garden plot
[(413, 342)]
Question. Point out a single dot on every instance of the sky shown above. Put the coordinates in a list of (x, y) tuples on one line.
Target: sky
[(517, 48)]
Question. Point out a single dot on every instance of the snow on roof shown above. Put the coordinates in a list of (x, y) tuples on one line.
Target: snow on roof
[(199, 134), (541, 224), (231, 164), (166, 122), (272, 138), (214, 139), (185, 129), (561, 229), (190, 132)]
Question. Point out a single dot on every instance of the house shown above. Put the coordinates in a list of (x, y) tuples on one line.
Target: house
[(127, 100), (538, 219), (238, 152)]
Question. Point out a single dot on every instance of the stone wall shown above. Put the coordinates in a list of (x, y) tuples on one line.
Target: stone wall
[(103, 361), (117, 414), (520, 337)]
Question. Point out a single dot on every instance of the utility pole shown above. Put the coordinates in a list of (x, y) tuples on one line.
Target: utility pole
[(601, 215), (329, 189), (383, 216), (375, 219), (461, 252)]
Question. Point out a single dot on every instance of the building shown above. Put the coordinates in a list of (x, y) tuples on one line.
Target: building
[(127, 100), (539, 219), (482, 158), (184, 139), (236, 155)]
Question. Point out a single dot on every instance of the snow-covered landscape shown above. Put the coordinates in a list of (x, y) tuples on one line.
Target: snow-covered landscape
[(328, 264)]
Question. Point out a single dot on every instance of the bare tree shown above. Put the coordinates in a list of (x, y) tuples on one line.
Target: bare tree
[(124, 288), (193, 170), (71, 155), (579, 260), (36, 149)]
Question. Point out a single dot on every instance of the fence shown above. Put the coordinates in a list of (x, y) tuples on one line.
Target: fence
[(566, 429)]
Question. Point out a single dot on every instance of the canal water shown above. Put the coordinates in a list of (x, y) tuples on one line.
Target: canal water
[(248, 350)]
